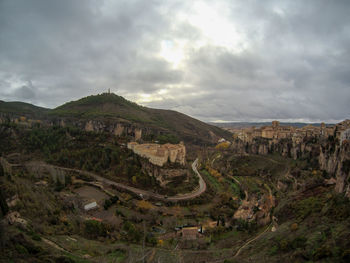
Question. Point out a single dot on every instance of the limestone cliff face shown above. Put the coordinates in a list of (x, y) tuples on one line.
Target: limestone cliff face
[(116, 128), (331, 151), (335, 159)]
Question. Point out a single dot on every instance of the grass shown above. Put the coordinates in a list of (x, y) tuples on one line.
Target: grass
[(212, 181), (234, 187), (117, 256)]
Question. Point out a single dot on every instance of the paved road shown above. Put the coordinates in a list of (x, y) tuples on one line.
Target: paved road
[(201, 189)]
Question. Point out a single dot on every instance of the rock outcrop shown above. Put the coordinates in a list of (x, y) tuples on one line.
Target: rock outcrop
[(330, 147)]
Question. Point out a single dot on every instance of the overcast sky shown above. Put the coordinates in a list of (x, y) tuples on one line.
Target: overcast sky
[(217, 60)]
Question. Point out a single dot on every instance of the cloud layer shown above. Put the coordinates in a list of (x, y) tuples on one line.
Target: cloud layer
[(214, 60)]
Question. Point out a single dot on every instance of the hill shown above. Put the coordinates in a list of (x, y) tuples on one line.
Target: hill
[(113, 108), (23, 109), (107, 110)]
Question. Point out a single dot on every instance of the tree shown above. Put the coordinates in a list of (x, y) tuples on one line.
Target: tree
[(144, 205), (3, 205), (95, 228), (2, 173)]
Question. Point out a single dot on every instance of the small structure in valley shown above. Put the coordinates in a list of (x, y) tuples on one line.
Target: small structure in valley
[(90, 206), (189, 233)]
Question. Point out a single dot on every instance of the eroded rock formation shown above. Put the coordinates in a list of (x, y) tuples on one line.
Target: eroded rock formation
[(329, 146)]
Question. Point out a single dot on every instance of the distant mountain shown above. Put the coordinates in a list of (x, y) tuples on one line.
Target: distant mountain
[(111, 108)]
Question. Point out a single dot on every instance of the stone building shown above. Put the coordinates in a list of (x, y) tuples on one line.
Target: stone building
[(276, 132), (160, 154)]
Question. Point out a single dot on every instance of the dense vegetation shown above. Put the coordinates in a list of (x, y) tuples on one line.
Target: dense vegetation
[(111, 108), (71, 147)]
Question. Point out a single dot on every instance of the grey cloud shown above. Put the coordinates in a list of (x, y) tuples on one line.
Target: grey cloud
[(295, 65)]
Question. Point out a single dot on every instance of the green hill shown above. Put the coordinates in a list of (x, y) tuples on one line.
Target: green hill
[(22, 108), (109, 108), (113, 107)]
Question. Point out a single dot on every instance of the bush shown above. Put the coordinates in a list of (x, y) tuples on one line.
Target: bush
[(36, 237), (95, 228), (346, 166), (273, 250), (284, 245), (340, 207), (308, 206), (298, 242), (132, 233), (322, 252), (3, 205), (346, 255), (2, 173), (168, 138), (21, 249), (294, 227), (109, 202)]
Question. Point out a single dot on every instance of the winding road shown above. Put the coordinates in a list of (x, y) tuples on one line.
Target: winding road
[(197, 192)]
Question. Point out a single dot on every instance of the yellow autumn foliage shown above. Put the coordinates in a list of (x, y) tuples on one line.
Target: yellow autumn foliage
[(214, 172), (222, 146), (144, 205)]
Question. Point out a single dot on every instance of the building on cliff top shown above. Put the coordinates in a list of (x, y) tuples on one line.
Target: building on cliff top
[(160, 154), (277, 132)]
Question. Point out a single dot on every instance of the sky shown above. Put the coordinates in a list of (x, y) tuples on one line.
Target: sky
[(222, 60)]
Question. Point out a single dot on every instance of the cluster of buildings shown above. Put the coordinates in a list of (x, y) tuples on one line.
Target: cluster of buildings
[(158, 154), (277, 132)]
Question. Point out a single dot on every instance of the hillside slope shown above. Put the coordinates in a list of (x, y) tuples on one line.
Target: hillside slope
[(22, 108), (111, 107), (107, 111)]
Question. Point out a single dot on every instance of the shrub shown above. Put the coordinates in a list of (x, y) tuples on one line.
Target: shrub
[(107, 204), (284, 245), (2, 173), (346, 255), (95, 228), (308, 206), (322, 252), (21, 249), (294, 227), (144, 205), (222, 146), (132, 233), (298, 242), (345, 166), (111, 201), (36, 237), (273, 250)]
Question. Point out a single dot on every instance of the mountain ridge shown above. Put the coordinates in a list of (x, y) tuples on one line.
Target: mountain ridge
[(107, 108)]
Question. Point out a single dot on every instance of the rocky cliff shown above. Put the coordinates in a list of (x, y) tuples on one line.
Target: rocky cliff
[(329, 153)]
